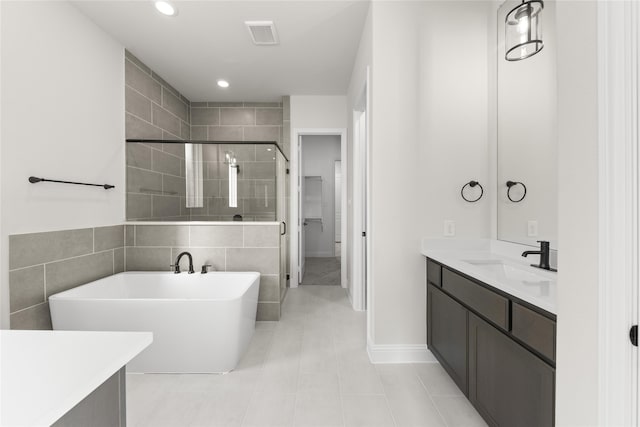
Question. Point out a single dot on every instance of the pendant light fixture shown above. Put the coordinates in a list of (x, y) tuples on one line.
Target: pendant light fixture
[(522, 31)]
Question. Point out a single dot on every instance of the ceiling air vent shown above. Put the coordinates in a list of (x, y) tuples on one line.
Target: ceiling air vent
[(263, 33)]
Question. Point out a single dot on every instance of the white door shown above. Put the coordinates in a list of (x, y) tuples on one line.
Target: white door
[(301, 219)]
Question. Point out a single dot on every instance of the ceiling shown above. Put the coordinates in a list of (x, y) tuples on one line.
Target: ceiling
[(208, 40)]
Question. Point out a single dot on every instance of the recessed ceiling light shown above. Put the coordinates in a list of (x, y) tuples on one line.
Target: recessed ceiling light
[(223, 83), (165, 8)]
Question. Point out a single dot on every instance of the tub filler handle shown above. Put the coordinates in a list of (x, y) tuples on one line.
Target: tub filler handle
[(205, 268)]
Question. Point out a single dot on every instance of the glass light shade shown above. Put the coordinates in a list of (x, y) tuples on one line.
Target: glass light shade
[(522, 31)]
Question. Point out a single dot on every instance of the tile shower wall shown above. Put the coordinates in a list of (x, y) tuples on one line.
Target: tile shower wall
[(256, 183), (155, 172), (42, 264), (232, 247), (237, 121), (286, 148)]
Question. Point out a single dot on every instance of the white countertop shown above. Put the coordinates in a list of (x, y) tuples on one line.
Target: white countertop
[(44, 374), (455, 254)]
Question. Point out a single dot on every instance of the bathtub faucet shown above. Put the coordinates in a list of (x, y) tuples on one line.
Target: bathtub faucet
[(176, 266)]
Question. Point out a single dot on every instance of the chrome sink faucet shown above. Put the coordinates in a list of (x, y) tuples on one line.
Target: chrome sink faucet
[(176, 265), (544, 256)]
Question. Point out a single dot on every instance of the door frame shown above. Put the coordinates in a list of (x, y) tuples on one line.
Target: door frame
[(296, 201), (618, 81)]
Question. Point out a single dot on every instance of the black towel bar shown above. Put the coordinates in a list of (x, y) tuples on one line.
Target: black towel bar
[(34, 180)]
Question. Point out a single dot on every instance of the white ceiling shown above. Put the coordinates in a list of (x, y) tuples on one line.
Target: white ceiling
[(208, 40)]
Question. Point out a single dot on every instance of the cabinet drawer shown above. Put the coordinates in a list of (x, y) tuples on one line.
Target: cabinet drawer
[(434, 273), (535, 330), (486, 303)]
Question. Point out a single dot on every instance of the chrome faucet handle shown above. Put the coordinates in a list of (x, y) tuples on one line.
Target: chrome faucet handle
[(176, 268), (205, 268)]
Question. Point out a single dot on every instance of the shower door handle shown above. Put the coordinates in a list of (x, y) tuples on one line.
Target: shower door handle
[(285, 228)]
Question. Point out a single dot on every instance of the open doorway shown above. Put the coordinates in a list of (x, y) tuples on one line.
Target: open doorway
[(320, 200)]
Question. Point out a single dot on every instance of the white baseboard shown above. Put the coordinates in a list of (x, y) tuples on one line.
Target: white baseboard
[(399, 353)]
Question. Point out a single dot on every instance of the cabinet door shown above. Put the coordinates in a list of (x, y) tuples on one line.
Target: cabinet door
[(507, 384), (447, 334)]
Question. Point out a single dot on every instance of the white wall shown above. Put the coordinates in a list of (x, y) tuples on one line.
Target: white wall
[(578, 220), (319, 155), (318, 112), (62, 118), (429, 137)]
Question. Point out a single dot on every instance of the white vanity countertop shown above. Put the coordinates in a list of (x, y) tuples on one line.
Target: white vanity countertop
[(539, 290), (44, 374)]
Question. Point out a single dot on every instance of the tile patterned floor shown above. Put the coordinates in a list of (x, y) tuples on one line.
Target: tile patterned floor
[(309, 369), (322, 271)]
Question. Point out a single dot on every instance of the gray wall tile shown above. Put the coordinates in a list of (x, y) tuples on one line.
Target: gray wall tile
[(225, 133), (220, 206), (138, 206), (268, 311), (210, 152), (137, 128), (266, 153), (162, 235), (199, 133), (137, 104), (259, 170), (26, 287), (165, 163), (164, 83), (269, 288), (118, 260), (185, 130), (212, 256), (269, 116), (142, 82), (211, 187), (38, 248), (143, 181), (198, 104), (138, 155), (216, 236), (174, 149), (263, 104), (165, 206), (174, 105), (262, 133), (67, 274), (261, 236), (205, 116), (165, 120), (36, 317), (225, 104), (244, 152), (136, 61), (173, 185), (108, 238), (259, 206), (237, 116), (262, 260), (129, 235), (148, 259)]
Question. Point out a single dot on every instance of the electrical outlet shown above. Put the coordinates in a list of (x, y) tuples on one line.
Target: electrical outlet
[(532, 228), (449, 228)]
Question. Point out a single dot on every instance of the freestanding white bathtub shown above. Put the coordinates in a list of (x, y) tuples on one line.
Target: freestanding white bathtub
[(201, 323)]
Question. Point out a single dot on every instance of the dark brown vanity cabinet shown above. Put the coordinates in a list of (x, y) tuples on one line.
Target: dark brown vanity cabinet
[(498, 350)]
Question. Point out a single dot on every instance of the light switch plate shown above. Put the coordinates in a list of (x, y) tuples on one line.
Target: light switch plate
[(449, 228)]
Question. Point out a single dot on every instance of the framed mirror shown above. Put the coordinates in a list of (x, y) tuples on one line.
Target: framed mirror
[(527, 177)]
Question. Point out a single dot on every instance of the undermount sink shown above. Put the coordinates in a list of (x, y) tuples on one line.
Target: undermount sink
[(507, 271)]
